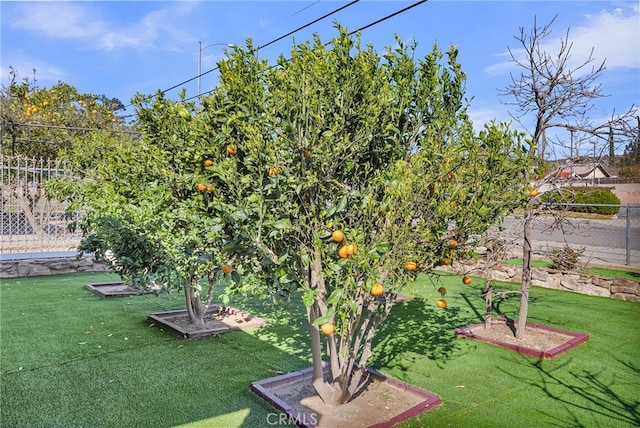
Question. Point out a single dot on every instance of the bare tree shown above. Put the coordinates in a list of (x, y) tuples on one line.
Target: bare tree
[(549, 87), (559, 93)]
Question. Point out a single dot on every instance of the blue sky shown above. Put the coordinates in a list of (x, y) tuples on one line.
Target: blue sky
[(120, 48)]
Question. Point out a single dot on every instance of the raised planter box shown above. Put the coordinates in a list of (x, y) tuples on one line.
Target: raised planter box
[(112, 289), (219, 319), (400, 401), (568, 339)]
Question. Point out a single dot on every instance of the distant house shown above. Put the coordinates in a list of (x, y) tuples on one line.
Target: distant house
[(586, 171)]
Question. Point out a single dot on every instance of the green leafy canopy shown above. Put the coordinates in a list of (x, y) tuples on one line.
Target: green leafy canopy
[(334, 137)]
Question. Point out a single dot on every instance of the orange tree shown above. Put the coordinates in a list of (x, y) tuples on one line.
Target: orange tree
[(346, 174), (43, 121), (339, 174), (147, 213)]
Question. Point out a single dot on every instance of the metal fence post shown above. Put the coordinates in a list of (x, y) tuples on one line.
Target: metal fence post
[(628, 238)]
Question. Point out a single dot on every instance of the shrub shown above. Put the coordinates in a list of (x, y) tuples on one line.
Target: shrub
[(566, 258), (629, 171), (591, 198)]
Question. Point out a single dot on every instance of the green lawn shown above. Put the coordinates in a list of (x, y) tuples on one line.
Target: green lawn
[(70, 358)]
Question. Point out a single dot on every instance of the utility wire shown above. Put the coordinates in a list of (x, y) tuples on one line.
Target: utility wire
[(306, 7), (310, 23), (258, 48), (74, 128), (354, 31), (389, 16), (275, 40), (263, 46)]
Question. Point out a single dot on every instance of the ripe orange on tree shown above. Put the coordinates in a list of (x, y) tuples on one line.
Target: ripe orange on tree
[(328, 328), (466, 280), (453, 243), (226, 268), (377, 289), (441, 303), (208, 162), (343, 251), (410, 265), (274, 171), (533, 193), (232, 149), (201, 187), (338, 235), (446, 262)]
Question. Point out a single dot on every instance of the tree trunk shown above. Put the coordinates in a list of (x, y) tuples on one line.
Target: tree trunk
[(195, 308), (488, 302), (332, 389), (526, 271), (612, 153), (638, 142), (27, 208)]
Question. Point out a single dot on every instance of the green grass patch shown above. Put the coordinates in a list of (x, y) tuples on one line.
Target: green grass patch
[(613, 273), (71, 358), (534, 263)]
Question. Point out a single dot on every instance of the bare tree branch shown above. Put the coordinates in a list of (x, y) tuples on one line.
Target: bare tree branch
[(557, 92)]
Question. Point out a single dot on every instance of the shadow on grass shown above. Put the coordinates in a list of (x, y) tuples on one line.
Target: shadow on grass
[(418, 328), (289, 332), (580, 391), (285, 328), (89, 361), (501, 306)]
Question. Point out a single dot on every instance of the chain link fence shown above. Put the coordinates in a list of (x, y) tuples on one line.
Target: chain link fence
[(601, 240), (31, 222)]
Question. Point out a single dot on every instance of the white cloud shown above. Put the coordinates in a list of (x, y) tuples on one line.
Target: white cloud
[(83, 22), (58, 20), (614, 36)]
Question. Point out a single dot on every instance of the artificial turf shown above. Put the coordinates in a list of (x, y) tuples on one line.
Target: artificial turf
[(70, 358)]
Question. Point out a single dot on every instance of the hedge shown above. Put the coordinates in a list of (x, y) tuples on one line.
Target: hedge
[(592, 197)]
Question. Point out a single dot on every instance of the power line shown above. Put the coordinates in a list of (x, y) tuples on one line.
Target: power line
[(389, 16), (73, 128), (310, 23), (272, 42), (306, 7), (359, 29), (263, 46)]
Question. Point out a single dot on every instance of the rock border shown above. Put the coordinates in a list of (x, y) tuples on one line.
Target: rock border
[(28, 266), (583, 283)]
